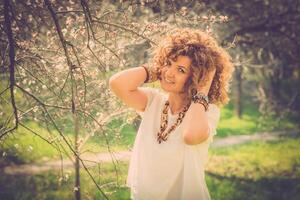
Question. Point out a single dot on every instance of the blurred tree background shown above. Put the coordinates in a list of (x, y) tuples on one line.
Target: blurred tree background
[(57, 56), (266, 35)]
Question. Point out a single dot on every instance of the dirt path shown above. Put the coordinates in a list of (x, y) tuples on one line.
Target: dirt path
[(93, 159)]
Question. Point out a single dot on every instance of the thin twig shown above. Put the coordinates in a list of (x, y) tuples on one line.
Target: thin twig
[(97, 20)]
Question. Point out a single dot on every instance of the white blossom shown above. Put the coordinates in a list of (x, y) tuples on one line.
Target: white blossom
[(30, 148)]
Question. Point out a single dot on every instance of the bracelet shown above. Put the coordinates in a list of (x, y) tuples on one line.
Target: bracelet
[(147, 74), (152, 74), (205, 105), (201, 98)]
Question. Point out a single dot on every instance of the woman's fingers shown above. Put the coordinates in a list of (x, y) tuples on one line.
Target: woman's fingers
[(205, 88)]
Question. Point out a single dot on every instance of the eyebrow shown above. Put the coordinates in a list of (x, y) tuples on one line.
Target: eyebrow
[(180, 65)]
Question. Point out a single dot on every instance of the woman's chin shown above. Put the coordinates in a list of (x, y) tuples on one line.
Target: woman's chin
[(168, 87)]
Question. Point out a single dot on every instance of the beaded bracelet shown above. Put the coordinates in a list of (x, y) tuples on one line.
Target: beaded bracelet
[(201, 98)]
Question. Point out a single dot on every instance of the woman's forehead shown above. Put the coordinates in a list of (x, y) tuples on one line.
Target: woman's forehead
[(183, 61)]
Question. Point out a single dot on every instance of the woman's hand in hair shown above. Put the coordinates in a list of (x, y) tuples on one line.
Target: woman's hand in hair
[(204, 87)]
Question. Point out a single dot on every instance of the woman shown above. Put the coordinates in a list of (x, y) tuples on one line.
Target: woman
[(177, 126)]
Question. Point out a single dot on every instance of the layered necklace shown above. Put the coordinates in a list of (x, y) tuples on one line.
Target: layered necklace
[(163, 134)]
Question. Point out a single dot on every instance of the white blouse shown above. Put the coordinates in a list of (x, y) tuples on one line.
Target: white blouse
[(171, 170)]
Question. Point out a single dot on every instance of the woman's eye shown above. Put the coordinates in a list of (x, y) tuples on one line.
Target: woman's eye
[(181, 70)]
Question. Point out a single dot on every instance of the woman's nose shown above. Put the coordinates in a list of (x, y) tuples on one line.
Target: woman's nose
[(170, 72)]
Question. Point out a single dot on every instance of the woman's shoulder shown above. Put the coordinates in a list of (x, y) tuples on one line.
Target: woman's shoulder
[(149, 89), (155, 98), (152, 92), (214, 109)]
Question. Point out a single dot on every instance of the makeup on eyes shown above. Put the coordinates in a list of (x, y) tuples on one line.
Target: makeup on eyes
[(181, 68), (184, 70)]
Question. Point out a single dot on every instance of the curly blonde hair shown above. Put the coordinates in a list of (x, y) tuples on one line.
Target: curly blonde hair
[(206, 55)]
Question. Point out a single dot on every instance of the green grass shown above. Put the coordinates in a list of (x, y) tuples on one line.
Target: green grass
[(257, 170), (253, 171), (52, 185), (258, 160), (230, 124), (251, 122), (262, 189), (23, 147), (119, 134)]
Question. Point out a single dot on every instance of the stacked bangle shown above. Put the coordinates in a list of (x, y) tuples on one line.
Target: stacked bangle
[(201, 98)]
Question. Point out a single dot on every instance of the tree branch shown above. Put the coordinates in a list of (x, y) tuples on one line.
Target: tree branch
[(11, 65)]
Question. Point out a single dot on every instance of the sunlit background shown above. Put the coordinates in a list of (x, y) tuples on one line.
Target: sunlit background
[(64, 135)]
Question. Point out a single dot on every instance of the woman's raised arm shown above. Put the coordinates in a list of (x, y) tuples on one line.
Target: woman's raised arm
[(125, 85)]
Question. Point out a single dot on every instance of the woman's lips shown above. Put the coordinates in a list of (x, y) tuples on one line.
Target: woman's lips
[(169, 81)]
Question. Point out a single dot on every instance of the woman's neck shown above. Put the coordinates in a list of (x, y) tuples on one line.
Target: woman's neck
[(177, 102)]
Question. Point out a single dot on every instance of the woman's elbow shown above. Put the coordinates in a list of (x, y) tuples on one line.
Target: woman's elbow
[(195, 138), (113, 84)]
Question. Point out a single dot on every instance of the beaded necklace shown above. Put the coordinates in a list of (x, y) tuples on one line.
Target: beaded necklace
[(163, 135)]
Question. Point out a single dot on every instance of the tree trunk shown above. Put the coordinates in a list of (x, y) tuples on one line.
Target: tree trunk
[(77, 163), (239, 92)]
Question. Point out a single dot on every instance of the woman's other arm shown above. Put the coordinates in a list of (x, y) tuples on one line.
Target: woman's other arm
[(197, 130), (125, 86)]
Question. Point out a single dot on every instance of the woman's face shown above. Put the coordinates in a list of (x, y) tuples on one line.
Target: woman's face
[(175, 73)]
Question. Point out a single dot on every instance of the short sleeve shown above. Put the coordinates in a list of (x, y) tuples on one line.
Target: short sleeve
[(150, 93), (213, 115)]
